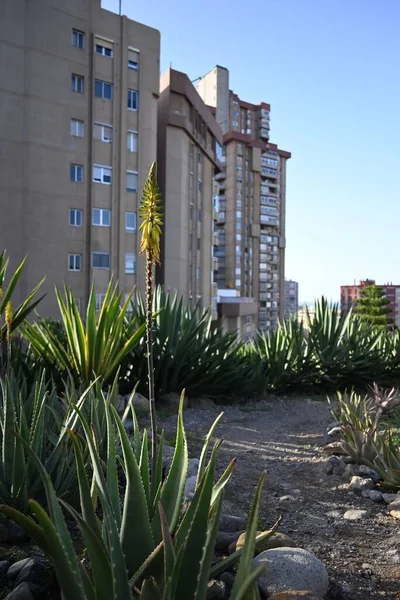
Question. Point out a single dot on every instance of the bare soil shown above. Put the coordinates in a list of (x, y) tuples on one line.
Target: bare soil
[(284, 437)]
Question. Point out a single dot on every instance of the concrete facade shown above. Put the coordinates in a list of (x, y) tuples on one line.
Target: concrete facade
[(187, 162), (252, 200), (66, 113)]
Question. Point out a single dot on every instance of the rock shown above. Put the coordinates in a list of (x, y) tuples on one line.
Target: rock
[(354, 514), (15, 569), (350, 471), (335, 466), (22, 592), (359, 484), (348, 460), (3, 533), (16, 535), (291, 569), (368, 472), (334, 434), (140, 402), (388, 498), (231, 523), (4, 565), (30, 572), (193, 467), (120, 403), (333, 425), (215, 590), (225, 539), (190, 486), (374, 495), (168, 455), (171, 401), (278, 540), (334, 448), (295, 595), (286, 498), (201, 403), (228, 579), (394, 509)]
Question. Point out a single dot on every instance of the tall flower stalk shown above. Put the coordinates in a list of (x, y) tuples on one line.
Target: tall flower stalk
[(150, 212)]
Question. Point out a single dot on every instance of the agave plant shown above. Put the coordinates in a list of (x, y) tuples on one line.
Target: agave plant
[(387, 463), (94, 348), (21, 312), (191, 351), (149, 550), (385, 400)]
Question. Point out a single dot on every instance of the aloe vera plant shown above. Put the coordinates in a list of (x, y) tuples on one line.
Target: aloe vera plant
[(147, 546), (95, 347)]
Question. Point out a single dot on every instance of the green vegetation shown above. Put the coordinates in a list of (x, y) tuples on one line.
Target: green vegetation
[(373, 306)]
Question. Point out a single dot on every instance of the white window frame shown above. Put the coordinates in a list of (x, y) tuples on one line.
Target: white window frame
[(76, 258), (131, 136), (102, 212), (79, 35), (137, 181), (128, 228), (105, 138), (131, 65), (137, 100), (130, 263), (103, 50), (77, 128), (76, 80), (75, 212), (103, 173), (99, 301), (100, 253), (76, 167)]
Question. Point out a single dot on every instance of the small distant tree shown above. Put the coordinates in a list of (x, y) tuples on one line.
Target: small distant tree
[(373, 307)]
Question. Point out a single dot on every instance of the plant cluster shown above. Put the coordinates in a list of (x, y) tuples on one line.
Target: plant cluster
[(366, 431)]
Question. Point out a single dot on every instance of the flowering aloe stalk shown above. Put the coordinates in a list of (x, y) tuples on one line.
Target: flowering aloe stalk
[(150, 212)]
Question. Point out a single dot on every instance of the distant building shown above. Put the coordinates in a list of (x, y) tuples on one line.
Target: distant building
[(237, 313), (350, 293), (302, 315), (291, 297)]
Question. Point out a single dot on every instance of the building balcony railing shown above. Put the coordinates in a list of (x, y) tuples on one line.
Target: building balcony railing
[(221, 217), (215, 239), (264, 133), (215, 215), (215, 263)]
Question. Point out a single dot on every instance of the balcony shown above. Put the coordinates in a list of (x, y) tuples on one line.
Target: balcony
[(215, 239), (221, 217), (215, 215), (215, 263), (219, 176), (268, 172), (265, 123), (264, 133)]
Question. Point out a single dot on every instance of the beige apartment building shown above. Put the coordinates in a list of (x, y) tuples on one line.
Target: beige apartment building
[(188, 135), (78, 124), (252, 200)]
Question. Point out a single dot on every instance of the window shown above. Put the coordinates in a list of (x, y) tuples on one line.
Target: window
[(75, 217), (101, 217), (133, 60), (133, 100), (130, 262), (74, 262), (132, 64), (78, 39), (103, 89), (130, 221), (197, 273), (100, 260), (77, 128), (76, 173), (199, 185), (99, 301), (199, 214), (132, 141), (77, 83), (102, 132), (103, 50), (131, 181), (238, 282), (102, 174)]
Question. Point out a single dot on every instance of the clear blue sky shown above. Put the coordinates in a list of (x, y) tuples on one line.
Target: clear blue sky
[(330, 70)]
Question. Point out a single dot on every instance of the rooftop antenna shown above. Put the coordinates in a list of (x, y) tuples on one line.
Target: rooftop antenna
[(120, 7), (197, 79)]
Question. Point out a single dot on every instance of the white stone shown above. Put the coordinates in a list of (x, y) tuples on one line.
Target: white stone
[(354, 514), (359, 484), (291, 569)]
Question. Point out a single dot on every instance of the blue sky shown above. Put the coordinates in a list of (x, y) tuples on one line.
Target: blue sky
[(330, 70)]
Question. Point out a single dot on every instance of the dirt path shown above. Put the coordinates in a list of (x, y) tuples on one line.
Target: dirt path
[(284, 438)]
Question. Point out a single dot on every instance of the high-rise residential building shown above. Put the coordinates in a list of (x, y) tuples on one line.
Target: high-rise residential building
[(188, 135), (350, 293), (252, 201), (78, 123), (291, 298)]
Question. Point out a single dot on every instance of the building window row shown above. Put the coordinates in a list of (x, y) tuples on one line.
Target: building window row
[(104, 48), (101, 217), (103, 174), (104, 90), (102, 260)]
